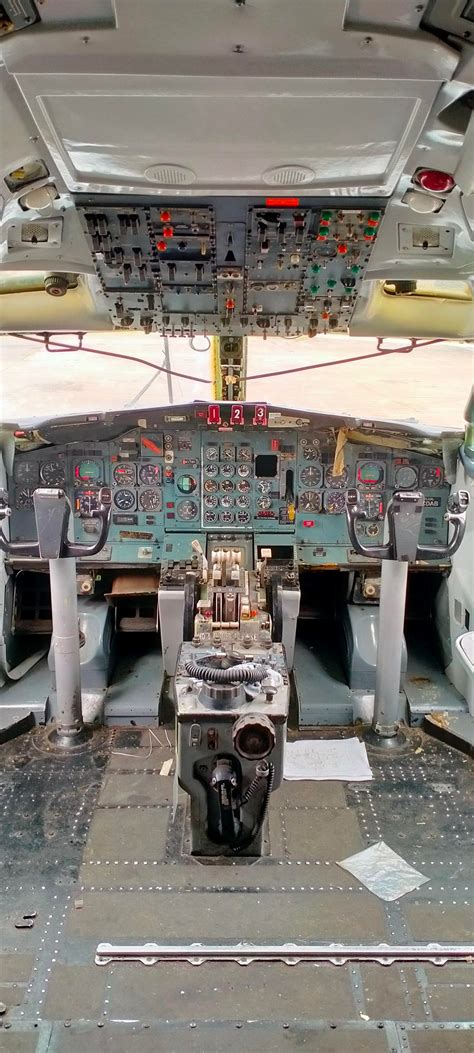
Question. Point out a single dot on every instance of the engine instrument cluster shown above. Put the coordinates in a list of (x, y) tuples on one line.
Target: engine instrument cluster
[(280, 267), (273, 476)]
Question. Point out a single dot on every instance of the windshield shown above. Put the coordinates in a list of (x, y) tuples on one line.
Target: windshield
[(430, 385)]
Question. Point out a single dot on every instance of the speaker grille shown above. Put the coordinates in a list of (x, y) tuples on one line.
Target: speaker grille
[(288, 175), (170, 175)]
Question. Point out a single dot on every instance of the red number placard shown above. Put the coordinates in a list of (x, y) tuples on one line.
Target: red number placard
[(260, 415), (214, 414), (237, 414)]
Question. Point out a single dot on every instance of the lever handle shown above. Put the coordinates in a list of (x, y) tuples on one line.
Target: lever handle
[(354, 514), (458, 505), (14, 548)]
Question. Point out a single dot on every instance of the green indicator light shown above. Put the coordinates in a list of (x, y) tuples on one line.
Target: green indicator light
[(374, 215), (314, 289), (326, 215), (316, 268), (355, 269), (323, 232), (331, 283), (369, 232)]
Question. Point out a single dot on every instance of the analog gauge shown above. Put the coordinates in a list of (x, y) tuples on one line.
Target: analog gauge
[(243, 487), (372, 505), (228, 452), (227, 486), (53, 473), (210, 486), (244, 453), (150, 474), (210, 517), (124, 499), (264, 486), (227, 501), (228, 470), (337, 482), (244, 470), (87, 502), (243, 517), (311, 476), (309, 501), (311, 449), (264, 502), (431, 476), (243, 501), (210, 501), (186, 484), (370, 473), (87, 472), (327, 248), (211, 453), (187, 510), (211, 470), (26, 472), (226, 517), (335, 501), (405, 477), (150, 500), (124, 474), (24, 498)]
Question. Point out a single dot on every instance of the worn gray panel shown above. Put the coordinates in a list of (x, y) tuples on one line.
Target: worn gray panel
[(136, 789), (228, 916), (231, 1038), (391, 992), (123, 834), (441, 1041), (15, 968), (294, 794), (331, 834), (11, 1042), (223, 991), (75, 992), (440, 922), (280, 876)]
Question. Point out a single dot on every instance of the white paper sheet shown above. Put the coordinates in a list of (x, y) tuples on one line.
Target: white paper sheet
[(383, 872), (321, 759)]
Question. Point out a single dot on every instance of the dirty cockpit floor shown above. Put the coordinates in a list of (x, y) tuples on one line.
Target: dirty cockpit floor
[(90, 849)]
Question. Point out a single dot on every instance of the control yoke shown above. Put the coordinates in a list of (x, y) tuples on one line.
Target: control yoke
[(52, 511), (404, 514)]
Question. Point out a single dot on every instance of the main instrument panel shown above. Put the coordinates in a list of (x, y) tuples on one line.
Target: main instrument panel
[(230, 469), (283, 267)]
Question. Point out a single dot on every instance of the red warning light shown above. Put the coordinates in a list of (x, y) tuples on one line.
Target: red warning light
[(237, 414), (260, 415), (165, 216), (214, 414), (342, 249), (436, 182), (282, 202), (168, 232), (161, 246), (308, 522)]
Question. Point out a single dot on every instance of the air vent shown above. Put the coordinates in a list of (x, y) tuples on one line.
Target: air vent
[(170, 175), (288, 175)]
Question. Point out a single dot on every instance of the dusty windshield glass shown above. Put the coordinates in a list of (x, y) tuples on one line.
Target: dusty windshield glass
[(430, 385)]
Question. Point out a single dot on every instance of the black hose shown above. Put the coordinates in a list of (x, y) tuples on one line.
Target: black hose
[(237, 674), (246, 841)]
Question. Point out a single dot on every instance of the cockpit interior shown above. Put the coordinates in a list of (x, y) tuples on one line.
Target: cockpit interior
[(192, 587)]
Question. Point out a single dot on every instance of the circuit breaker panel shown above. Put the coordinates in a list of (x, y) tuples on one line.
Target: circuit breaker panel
[(242, 268)]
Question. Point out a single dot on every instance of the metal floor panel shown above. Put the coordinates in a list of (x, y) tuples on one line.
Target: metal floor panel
[(90, 845)]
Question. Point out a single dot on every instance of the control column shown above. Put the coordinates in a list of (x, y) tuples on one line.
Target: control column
[(52, 511), (404, 514)]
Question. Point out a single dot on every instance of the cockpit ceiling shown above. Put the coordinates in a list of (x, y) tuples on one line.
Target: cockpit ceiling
[(333, 106)]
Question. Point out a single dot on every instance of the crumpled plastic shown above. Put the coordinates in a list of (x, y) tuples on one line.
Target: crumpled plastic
[(383, 872)]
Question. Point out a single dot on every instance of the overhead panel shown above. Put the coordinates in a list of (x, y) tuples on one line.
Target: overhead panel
[(282, 266)]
